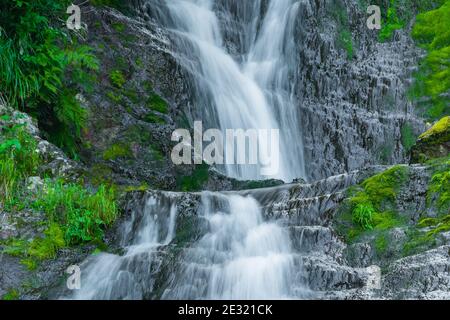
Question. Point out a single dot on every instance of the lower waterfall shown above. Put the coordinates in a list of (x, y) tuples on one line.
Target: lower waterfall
[(239, 256)]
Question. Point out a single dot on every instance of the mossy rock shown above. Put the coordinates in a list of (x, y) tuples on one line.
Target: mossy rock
[(434, 143)]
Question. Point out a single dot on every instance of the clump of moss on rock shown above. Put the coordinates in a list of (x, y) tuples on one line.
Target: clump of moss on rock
[(434, 143)]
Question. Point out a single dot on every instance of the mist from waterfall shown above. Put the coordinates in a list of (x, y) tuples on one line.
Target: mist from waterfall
[(249, 89)]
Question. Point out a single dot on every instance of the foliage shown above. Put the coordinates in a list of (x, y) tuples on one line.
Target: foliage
[(82, 214), (42, 67), (117, 78), (432, 85), (12, 294), (195, 181), (117, 150), (117, 4), (440, 187), (344, 35), (156, 103), (371, 203), (408, 136), (391, 23), (18, 159)]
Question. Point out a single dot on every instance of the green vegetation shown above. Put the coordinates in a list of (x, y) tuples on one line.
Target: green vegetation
[(118, 26), (408, 136), (73, 214), (439, 129), (195, 181), (371, 205), (391, 23), (432, 85), (118, 150), (12, 294), (156, 103), (42, 67), (344, 36), (82, 214), (439, 188), (18, 160), (117, 4), (117, 78)]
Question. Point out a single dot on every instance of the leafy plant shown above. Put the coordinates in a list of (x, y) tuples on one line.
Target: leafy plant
[(82, 214), (42, 66)]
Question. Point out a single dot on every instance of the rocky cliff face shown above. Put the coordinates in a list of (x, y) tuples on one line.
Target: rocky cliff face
[(353, 96)]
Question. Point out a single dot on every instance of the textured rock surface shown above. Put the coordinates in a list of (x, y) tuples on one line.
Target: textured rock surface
[(322, 259)]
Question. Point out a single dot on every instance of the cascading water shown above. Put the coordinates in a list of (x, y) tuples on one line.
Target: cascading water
[(129, 276), (239, 256), (253, 90)]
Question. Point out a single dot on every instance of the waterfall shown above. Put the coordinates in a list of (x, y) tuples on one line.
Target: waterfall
[(251, 89), (129, 276), (240, 257)]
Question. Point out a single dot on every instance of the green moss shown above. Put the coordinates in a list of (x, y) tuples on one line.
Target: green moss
[(47, 247), (439, 129), (381, 244), (345, 41), (408, 136), (117, 150), (117, 78), (132, 95), (194, 182), (344, 38), (39, 249), (439, 188), (153, 118), (156, 103), (118, 27), (114, 97), (432, 80), (371, 205), (12, 294)]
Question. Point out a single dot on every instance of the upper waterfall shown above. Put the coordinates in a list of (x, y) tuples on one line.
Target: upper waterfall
[(251, 90)]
